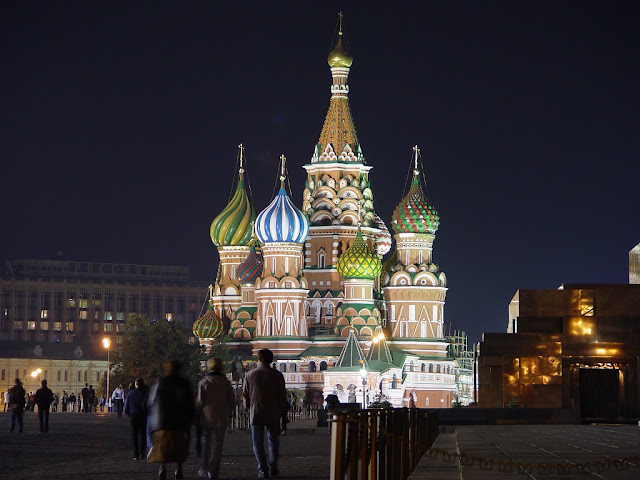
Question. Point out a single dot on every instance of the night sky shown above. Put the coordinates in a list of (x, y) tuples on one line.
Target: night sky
[(120, 123)]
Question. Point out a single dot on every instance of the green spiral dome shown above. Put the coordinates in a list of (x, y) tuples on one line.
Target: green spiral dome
[(358, 261), (414, 214), (234, 225), (209, 325)]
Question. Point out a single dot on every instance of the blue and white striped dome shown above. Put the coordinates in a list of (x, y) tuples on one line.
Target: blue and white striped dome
[(281, 221)]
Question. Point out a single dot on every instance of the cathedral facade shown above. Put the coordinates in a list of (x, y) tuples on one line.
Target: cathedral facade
[(307, 280)]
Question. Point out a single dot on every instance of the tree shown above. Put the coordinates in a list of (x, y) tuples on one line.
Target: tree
[(148, 345)]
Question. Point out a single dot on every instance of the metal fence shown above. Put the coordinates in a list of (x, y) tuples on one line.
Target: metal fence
[(240, 418), (380, 443)]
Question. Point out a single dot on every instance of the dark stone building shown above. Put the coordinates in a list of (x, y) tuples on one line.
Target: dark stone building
[(575, 347)]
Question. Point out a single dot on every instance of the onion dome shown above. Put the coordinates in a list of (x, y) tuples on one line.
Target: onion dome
[(251, 268), (210, 325), (414, 214), (383, 240), (339, 57), (358, 261), (281, 221), (233, 227)]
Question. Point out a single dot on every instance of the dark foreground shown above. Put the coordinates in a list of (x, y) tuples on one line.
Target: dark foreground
[(97, 446)]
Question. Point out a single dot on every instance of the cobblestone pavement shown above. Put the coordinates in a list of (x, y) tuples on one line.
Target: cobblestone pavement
[(547, 452), (98, 446)]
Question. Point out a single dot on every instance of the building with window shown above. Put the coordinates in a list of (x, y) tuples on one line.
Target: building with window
[(65, 301), (575, 347)]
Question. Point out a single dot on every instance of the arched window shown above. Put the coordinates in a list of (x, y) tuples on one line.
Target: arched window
[(422, 367), (411, 366), (329, 309), (438, 368), (323, 365), (312, 366), (293, 368), (283, 367), (431, 368), (321, 258), (394, 381)]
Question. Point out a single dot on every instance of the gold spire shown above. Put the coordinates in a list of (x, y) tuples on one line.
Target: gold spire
[(338, 128)]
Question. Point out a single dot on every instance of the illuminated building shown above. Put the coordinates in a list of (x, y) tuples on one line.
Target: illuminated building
[(311, 285), (67, 301), (575, 347)]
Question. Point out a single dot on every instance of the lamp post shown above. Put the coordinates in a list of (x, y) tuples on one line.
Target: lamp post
[(363, 374), (107, 344)]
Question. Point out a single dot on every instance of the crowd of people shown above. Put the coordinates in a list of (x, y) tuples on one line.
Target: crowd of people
[(161, 417)]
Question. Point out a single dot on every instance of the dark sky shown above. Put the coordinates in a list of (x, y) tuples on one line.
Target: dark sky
[(119, 126)]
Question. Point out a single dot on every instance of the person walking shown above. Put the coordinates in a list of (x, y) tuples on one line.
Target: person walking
[(135, 407), (118, 397), (6, 399), (214, 402), (44, 399), (172, 409), (72, 401), (265, 397), (16, 405), (64, 399), (84, 393)]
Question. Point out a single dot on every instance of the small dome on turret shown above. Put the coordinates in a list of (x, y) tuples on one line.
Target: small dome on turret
[(339, 57), (359, 261), (251, 268), (209, 326)]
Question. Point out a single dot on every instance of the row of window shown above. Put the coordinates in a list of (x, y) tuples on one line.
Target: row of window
[(82, 376), (293, 368)]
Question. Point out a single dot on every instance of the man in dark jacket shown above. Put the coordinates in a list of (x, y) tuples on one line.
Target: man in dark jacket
[(44, 398), (172, 410), (265, 397), (16, 405), (135, 407), (84, 393)]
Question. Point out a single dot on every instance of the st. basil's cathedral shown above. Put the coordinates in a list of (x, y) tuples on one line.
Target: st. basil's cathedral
[(309, 283)]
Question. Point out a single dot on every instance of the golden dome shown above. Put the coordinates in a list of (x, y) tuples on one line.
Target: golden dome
[(339, 57)]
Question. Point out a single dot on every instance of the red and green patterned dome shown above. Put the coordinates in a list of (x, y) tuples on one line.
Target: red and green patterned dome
[(414, 214), (358, 261), (209, 326)]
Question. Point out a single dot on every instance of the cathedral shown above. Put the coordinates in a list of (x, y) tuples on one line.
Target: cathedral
[(307, 280)]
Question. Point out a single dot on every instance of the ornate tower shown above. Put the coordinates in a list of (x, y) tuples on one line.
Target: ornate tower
[(337, 193), (414, 288), (359, 267), (231, 233), (281, 291)]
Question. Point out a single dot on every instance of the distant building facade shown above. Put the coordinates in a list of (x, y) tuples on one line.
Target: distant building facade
[(65, 366), (67, 301)]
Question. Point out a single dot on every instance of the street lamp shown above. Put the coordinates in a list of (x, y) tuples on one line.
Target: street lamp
[(363, 374), (107, 344)]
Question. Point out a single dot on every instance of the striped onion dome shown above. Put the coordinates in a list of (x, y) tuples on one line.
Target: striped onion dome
[(383, 240), (414, 214), (251, 268), (210, 325), (233, 227), (281, 221), (358, 261)]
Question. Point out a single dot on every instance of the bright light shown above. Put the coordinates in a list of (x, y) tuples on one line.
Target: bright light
[(376, 339), (106, 342), (36, 372), (380, 336), (363, 373)]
